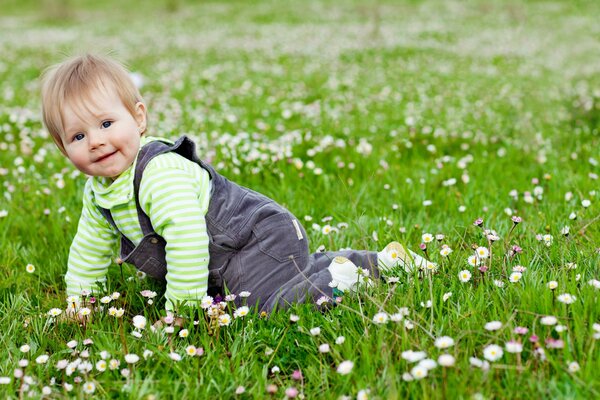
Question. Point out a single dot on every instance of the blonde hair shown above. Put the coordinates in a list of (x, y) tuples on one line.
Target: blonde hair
[(76, 81)]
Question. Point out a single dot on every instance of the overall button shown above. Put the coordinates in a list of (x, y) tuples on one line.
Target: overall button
[(154, 240)]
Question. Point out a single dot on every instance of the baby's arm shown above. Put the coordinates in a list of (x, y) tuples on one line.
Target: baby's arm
[(175, 196), (91, 250)]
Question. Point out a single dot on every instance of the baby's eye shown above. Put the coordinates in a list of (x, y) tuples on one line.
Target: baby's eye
[(78, 137), (106, 124)]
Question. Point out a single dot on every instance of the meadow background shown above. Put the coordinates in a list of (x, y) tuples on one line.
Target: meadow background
[(392, 118)]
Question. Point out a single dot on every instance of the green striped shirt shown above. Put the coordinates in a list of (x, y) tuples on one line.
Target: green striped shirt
[(174, 193)]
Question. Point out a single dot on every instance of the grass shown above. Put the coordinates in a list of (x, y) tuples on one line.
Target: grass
[(497, 96)]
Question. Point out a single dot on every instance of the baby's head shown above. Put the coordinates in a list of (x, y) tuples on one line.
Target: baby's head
[(94, 112)]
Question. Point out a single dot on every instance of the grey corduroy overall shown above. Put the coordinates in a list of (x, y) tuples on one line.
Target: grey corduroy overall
[(255, 245)]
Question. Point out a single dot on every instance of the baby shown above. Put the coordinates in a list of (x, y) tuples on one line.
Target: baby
[(177, 218)]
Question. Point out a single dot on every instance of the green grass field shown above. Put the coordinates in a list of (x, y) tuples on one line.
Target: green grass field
[(397, 118)]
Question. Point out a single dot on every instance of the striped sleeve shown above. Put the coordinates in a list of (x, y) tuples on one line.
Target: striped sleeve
[(175, 196), (91, 251)]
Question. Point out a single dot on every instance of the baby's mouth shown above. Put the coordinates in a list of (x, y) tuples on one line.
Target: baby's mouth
[(104, 157)]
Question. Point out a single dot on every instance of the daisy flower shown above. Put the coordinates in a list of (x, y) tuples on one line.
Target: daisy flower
[(446, 360), (225, 320), (380, 318), (493, 352), (566, 298), (444, 342), (482, 252), (464, 276), (427, 238), (515, 277), (345, 367), (30, 268), (89, 387), (190, 350), (241, 312), (493, 325), (419, 372)]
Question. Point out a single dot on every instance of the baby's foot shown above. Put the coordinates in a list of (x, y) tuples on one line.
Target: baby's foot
[(395, 255), (345, 274)]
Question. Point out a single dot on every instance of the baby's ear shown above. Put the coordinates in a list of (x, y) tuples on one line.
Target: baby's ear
[(140, 116)]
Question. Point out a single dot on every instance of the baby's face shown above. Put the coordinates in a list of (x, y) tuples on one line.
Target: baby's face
[(102, 137)]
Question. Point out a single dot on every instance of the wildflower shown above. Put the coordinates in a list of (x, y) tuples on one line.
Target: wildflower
[(241, 312), (513, 346), (498, 283), (446, 360), (573, 367), (444, 342), (131, 358), (315, 331), (30, 268), (324, 348), (125, 372), (42, 359), (25, 348), (61, 364), (492, 352), (184, 333), (224, 320), (114, 364), (139, 322), (474, 261), (446, 296), (554, 343), (240, 390), (147, 354), (493, 325), (169, 329), (478, 222), (521, 330), (244, 294), (380, 318), (297, 375), (566, 298), (206, 302), (464, 276), (482, 252), (363, 394), (396, 317), (515, 277), (476, 362), (586, 203), (548, 320), (294, 318), (85, 311), (275, 370), (345, 367), (89, 387), (174, 356), (291, 392), (101, 365), (427, 238), (560, 328), (516, 220), (445, 251), (413, 356), (418, 372), (23, 363), (272, 388), (552, 285), (342, 339), (547, 239)]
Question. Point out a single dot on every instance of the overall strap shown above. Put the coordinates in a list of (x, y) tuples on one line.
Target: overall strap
[(184, 146)]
